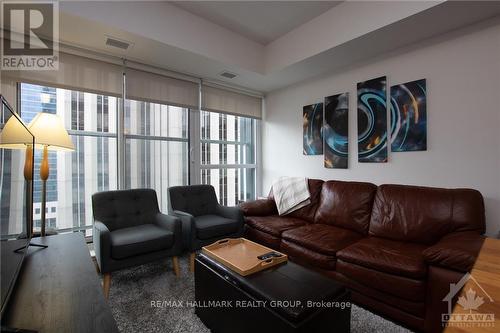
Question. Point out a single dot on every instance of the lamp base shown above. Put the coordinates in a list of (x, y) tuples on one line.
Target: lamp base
[(30, 244)]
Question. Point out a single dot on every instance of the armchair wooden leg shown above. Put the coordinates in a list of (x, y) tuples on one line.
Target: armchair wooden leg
[(175, 263), (106, 284), (191, 262)]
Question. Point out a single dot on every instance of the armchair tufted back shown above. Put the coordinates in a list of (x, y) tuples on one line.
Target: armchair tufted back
[(195, 199), (125, 208)]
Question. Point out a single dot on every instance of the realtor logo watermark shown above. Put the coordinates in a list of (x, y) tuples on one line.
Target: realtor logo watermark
[(467, 313), (30, 35)]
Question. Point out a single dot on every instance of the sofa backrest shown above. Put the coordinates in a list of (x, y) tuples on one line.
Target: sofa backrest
[(425, 214), (307, 213), (193, 199), (125, 208), (346, 204)]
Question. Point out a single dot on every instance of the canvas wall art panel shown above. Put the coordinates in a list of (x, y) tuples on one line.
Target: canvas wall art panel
[(372, 120), (336, 131), (312, 122), (409, 116)]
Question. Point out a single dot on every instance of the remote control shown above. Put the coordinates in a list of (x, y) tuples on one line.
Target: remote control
[(269, 255)]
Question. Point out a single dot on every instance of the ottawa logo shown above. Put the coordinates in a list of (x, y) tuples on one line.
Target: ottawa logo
[(467, 313)]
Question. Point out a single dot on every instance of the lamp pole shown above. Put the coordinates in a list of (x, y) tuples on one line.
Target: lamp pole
[(50, 133), (44, 175), (28, 177)]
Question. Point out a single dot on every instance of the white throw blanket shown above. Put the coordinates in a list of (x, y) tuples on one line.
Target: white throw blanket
[(290, 194)]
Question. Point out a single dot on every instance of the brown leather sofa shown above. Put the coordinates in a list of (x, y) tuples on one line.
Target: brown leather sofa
[(396, 247)]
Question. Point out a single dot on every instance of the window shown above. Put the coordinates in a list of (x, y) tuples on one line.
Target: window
[(91, 122), (228, 156), (156, 147), (156, 152)]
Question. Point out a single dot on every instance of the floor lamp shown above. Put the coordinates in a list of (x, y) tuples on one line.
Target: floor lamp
[(50, 134), (15, 135)]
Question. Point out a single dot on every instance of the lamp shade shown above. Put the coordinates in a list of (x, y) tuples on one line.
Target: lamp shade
[(49, 131), (14, 135)]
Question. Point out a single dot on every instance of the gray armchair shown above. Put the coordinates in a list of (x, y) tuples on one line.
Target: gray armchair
[(129, 230), (204, 221)]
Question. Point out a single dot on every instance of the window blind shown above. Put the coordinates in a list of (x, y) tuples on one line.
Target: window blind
[(8, 89), (226, 101), (76, 73), (161, 89), (84, 74)]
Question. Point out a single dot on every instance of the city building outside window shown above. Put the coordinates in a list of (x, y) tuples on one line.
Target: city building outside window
[(156, 146), (91, 122), (228, 156)]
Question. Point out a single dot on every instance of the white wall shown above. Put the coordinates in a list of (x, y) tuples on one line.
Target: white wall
[(463, 109)]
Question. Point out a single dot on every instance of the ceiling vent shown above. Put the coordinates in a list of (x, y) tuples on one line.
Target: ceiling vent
[(115, 42), (228, 75)]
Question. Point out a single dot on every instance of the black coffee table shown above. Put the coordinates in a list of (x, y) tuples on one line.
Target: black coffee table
[(282, 299)]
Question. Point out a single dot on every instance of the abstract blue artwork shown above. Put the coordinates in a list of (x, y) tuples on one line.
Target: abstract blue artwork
[(312, 118), (409, 116), (336, 131), (372, 120)]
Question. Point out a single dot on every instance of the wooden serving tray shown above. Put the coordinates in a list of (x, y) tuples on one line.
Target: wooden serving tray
[(240, 255)]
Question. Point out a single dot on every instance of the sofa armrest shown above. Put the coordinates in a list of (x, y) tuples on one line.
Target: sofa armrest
[(233, 213), (457, 251), (188, 228), (102, 245), (168, 222), (261, 207), (174, 225)]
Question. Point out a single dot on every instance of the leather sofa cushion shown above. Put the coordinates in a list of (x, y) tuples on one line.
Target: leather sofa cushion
[(262, 237), (274, 225), (141, 239), (424, 214), (392, 257), (322, 238), (210, 226), (415, 308), (261, 207), (400, 286), (468, 211), (308, 257), (307, 213), (346, 204)]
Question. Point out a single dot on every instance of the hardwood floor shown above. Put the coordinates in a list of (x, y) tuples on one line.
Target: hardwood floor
[(485, 284)]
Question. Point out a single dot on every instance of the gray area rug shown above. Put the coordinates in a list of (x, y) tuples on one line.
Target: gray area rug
[(135, 292)]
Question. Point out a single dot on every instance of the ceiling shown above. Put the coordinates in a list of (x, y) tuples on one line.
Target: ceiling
[(260, 21), (171, 38)]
